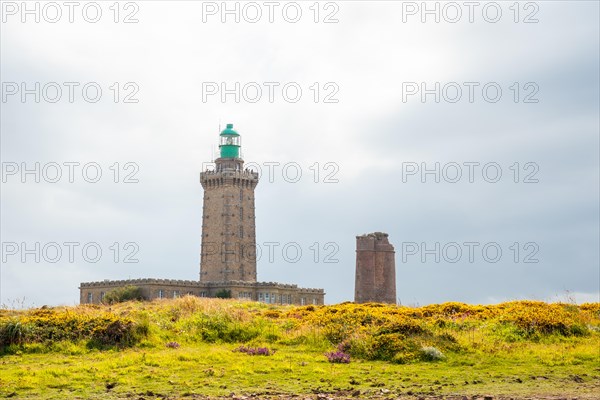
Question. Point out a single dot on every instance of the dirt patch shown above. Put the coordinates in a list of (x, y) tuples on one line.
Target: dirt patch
[(351, 395)]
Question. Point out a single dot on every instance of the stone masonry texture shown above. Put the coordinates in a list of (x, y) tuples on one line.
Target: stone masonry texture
[(375, 269)]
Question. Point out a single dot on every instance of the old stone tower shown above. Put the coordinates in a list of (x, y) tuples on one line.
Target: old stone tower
[(228, 250), (375, 269)]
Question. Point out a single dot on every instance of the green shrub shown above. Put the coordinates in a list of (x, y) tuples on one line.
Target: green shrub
[(223, 294), (118, 332), (394, 347), (403, 327), (50, 326), (535, 319), (212, 328), (142, 325), (14, 332), (126, 293)]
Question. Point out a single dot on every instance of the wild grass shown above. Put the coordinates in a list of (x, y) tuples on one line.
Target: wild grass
[(125, 349)]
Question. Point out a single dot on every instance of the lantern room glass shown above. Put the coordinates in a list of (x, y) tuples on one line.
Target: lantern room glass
[(227, 140)]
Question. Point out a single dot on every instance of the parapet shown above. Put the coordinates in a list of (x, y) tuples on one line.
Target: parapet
[(376, 241), (144, 281), (175, 282)]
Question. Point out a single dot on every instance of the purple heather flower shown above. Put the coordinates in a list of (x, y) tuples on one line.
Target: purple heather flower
[(255, 351), (338, 357)]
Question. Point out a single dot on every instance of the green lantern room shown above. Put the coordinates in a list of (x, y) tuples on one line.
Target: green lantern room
[(230, 142)]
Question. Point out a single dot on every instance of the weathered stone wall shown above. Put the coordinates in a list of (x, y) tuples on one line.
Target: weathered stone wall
[(266, 292), (375, 269)]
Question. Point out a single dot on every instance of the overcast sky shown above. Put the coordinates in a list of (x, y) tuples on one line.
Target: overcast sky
[(386, 93)]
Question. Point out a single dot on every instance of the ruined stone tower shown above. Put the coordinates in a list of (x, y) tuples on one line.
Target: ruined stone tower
[(228, 224), (375, 269)]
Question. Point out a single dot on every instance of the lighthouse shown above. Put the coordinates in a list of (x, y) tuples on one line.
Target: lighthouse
[(228, 251)]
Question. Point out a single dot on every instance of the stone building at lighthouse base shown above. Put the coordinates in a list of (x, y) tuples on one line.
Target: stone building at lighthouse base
[(265, 292)]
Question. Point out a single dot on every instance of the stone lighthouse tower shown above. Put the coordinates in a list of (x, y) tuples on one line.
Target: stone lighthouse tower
[(228, 224), (228, 255), (375, 269)]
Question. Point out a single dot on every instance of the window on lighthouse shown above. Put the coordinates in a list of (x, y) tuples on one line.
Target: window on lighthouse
[(230, 141)]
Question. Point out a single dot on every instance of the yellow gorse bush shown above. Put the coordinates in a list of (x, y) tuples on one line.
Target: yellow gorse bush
[(52, 325), (371, 331)]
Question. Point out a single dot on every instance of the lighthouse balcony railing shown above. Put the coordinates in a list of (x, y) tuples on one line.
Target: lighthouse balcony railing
[(231, 173)]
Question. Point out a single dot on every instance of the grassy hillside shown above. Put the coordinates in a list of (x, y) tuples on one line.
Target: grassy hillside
[(190, 346)]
